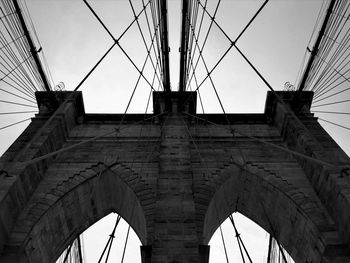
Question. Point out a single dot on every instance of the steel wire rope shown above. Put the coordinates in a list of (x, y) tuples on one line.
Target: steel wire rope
[(324, 80), (244, 162), (233, 43), (336, 93), (126, 242), (194, 17), (12, 41), (139, 78), (323, 89), (20, 80), (21, 46), (15, 95), (15, 68), (143, 38), (110, 240), (333, 60), (16, 103), (213, 85), (17, 28), (12, 124), (330, 103), (6, 15), (222, 237), (16, 88), (274, 234), (224, 244), (332, 112), (335, 71), (211, 80), (16, 112), (325, 48), (196, 82), (155, 22), (158, 64), (117, 40), (198, 35), (290, 112), (239, 240), (16, 43), (331, 79), (44, 60), (9, 72), (335, 124), (205, 40), (62, 105), (11, 57), (147, 104), (295, 153)]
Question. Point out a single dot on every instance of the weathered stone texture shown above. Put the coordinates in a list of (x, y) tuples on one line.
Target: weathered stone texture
[(175, 179)]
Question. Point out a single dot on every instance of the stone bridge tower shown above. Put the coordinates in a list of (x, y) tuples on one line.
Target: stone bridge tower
[(175, 176)]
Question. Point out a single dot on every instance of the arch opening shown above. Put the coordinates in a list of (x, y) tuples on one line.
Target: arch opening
[(100, 241), (271, 203), (255, 240), (78, 209)]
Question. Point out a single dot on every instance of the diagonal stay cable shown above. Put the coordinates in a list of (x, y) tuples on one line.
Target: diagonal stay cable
[(116, 41), (330, 103), (157, 55), (156, 21), (251, 20), (17, 103), (20, 112), (210, 78), (336, 71), (237, 237), (332, 112), (239, 240), (209, 73), (224, 244), (63, 104), (198, 35), (233, 43), (99, 20), (335, 124), (15, 123), (110, 240), (135, 66), (144, 39), (18, 96), (138, 80), (205, 40), (125, 244)]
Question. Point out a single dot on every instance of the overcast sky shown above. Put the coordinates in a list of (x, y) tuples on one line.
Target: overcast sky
[(73, 41)]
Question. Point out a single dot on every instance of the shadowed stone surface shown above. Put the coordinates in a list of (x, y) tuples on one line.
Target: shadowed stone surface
[(174, 178)]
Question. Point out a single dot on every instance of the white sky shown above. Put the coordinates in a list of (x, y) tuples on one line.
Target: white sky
[(73, 41)]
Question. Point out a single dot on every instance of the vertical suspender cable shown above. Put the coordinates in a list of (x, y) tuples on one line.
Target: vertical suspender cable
[(316, 46), (31, 46)]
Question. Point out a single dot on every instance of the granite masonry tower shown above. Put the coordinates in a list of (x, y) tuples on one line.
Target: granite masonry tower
[(174, 175)]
